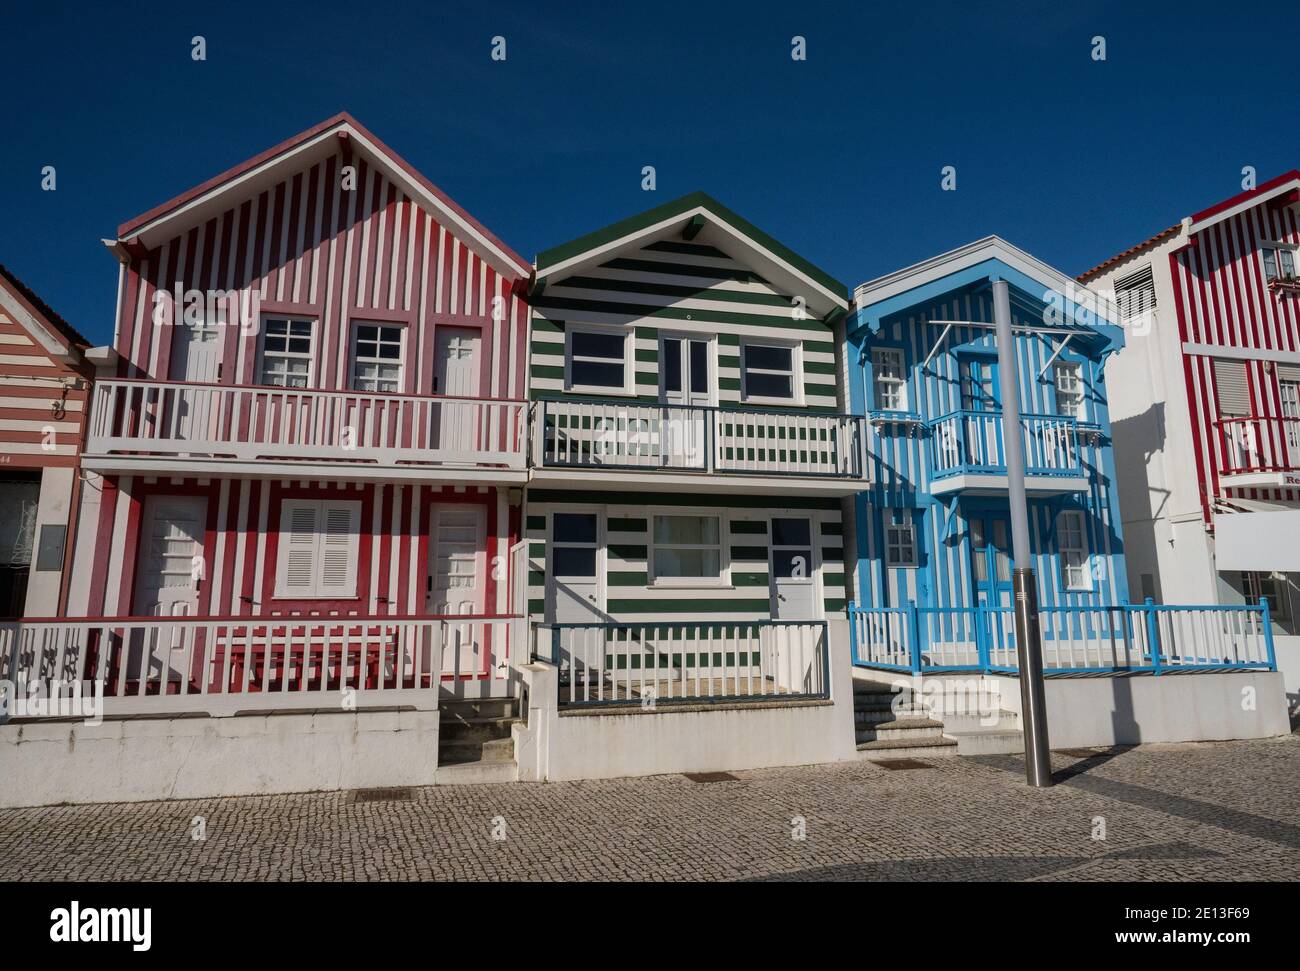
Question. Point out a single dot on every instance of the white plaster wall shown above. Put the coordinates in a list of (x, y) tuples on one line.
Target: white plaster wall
[(129, 760), (52, 509), (556, 747)]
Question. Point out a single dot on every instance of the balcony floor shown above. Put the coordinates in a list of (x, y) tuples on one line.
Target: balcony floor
[(596, 479), (223, 468), (992, 484)]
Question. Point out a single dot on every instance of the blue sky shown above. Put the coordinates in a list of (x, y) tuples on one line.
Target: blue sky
[(838, 156)]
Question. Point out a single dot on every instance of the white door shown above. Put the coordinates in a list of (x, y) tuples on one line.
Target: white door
[(573, 594), (793, 572), (685, 379), (168, 580), (457, 368), (196, 352), (1290, 394), (457, 583)]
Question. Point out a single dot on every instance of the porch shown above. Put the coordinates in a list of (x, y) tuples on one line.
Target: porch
[(968, 453), (1076, 641), (145, 425)]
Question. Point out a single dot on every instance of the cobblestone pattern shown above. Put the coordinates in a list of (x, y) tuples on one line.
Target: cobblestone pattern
[(1224, 811)]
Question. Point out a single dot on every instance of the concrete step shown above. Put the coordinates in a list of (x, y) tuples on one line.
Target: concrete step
[(470, 708), (988, 741), (902, 729), (476, 773), (491, 750), (907, 749), (884, 713), (473, 729)]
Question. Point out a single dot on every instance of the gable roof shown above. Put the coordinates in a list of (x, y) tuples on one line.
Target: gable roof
[(714, 224), (273, 165), (55, 334), (972, 265), (1129, 253)]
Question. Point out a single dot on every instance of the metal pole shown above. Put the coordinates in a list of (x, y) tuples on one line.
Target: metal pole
[(1029, 648)]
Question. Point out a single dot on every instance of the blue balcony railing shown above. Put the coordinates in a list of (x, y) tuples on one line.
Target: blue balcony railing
[(971, 442)]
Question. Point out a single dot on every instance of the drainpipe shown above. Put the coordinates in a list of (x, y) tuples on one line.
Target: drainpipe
[(1029, 648)]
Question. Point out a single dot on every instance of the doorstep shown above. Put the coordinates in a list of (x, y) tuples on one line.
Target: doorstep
[(635, 708)]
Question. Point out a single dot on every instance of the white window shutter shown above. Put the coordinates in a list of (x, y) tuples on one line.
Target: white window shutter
[(338, 549), (297, 550), (1234, 398)]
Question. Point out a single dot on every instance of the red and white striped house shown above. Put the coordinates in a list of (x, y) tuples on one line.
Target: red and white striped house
[(313, 408), (1205, 404), (44, 379)]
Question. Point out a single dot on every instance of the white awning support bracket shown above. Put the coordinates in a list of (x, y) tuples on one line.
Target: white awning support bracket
[(948, 325), (1052, 360)]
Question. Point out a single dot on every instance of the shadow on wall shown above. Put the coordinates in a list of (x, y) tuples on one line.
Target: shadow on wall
[(1123, 722), (1135, 440)]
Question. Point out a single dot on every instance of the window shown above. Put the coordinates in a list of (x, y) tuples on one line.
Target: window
[(286, 352), (792, 551), (686, 548), (768, 371), (377, 357), (1072, 541), (890, 381), (1231, 389), (1279, 261), (979, 385), (574, 542), (318, 548), (900, 539), (1136, 296), (1270, 587), (597, 359), (1069, 389)]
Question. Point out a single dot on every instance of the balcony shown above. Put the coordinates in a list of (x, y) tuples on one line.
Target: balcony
[(1259, 452), (968, 454), (711, 448), (212, 429)]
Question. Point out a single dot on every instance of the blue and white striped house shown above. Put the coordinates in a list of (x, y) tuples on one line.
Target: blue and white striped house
[(932, 527)]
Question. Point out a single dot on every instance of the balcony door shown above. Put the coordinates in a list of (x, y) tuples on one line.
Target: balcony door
[(196, 352), (457, 372), (685, 380), (792, 574), (1290, 397)]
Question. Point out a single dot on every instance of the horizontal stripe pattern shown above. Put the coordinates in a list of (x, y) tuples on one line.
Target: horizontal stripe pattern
[(42, 415)]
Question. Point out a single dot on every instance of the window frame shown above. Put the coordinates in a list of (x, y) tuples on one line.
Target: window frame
[(1064, 365), (1277, 248), (795, 347), (912, 562), (281, 589), (723, 579), (354, 359), (628, 333), (1280, 614), (309, 356), (1083, 550), (901, 382)]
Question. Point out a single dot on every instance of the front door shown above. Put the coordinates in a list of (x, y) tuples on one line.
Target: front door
[(457, 372), (457, 582), (573, 590), (792, 583), (686, 381), (170, 570), (990, 551)]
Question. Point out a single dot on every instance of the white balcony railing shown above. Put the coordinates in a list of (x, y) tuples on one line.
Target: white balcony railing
[(632, 435), (224, 665), (264, 423), (971, 442)]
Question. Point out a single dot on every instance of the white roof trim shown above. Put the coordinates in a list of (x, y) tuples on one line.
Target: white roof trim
[(937, 267), (1239, 208), (258, 174), (52, 344), (595, 256)]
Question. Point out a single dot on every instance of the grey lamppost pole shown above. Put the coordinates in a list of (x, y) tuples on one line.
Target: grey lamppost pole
[(1029, 648)]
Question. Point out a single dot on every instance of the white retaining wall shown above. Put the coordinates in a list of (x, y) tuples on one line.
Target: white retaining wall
[(129, 760), (557, 746)]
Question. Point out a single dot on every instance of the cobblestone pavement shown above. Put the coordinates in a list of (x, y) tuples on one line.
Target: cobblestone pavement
[(1223, 811)]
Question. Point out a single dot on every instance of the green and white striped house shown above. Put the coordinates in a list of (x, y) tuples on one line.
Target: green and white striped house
[(690, 453)]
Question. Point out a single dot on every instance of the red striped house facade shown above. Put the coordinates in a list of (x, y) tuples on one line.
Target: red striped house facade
[(1208, 396), (43, 401), (316, 402)]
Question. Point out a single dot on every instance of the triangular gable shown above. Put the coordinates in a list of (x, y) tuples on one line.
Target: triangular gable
[(51, 332), (699, 219), (1284, 188), (213, 197), (978, 264)]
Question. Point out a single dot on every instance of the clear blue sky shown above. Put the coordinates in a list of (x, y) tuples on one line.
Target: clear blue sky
[(838, 156)]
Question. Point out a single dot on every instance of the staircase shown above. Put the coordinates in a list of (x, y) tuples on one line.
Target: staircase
[(474, 741), (892, 724)]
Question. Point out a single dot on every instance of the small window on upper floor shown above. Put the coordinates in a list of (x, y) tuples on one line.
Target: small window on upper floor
[(287, 351), (769, 371), (598, 359), (889, 378), (1069, 389), (1279, 261), (1136, 296), (377, 357)]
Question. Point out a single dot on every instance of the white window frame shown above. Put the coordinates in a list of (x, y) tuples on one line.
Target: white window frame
[(796, 371), (723, 579), (1076, 368), (881, 384), (900, 539), (317, 589), (309, 356), (1277, 249), (629, 357), (1073, 521), (1252, 587), (354, 359)]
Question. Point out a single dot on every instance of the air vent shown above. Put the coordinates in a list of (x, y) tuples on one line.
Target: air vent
[(398, 794), (895, 764), (711, 777)]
